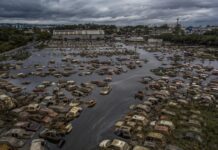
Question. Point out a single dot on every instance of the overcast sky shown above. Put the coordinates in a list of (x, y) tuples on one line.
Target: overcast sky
[(119, 12)]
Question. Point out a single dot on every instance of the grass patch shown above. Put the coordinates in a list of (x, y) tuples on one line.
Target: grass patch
[(21, 55)]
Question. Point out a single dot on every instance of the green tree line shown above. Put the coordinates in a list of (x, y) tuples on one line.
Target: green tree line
[(210, 38), (12, 38), (42, 35)]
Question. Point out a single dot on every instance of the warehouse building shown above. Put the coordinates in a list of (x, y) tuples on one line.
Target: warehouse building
[(78, 34), (135, 39), (155, 42)]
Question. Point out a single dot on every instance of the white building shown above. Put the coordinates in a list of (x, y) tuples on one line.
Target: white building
[(78, 34), (156, 32), (135, 39), (155, 42), (29, 31), (118, 39)]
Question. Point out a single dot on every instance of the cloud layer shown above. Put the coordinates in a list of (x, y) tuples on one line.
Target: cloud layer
[(120, 12)]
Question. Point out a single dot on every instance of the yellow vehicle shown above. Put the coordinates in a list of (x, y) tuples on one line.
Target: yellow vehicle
[(140, 148), (63, 128), (33, 107), (157, 138), (74, 112), (167, 123), (114, 144)]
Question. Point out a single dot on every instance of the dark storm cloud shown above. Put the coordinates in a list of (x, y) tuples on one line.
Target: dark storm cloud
[(121, 12)]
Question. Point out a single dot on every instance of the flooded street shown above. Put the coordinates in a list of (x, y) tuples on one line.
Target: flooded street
[(108, 75), (94, 124)]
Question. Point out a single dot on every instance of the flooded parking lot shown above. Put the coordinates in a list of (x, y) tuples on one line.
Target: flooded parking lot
[(74, 76)]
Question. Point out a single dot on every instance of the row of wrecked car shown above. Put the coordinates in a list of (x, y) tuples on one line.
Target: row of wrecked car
[(41, 113), (159, 122), (72, 66), (169, 115), (51, 113)]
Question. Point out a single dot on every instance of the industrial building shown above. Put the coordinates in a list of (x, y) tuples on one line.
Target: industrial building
[(78, 34), (155, 42), (135, 39)]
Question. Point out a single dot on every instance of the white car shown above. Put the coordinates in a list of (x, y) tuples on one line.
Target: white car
[(38, 144), (114, 144), (105, 90)]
